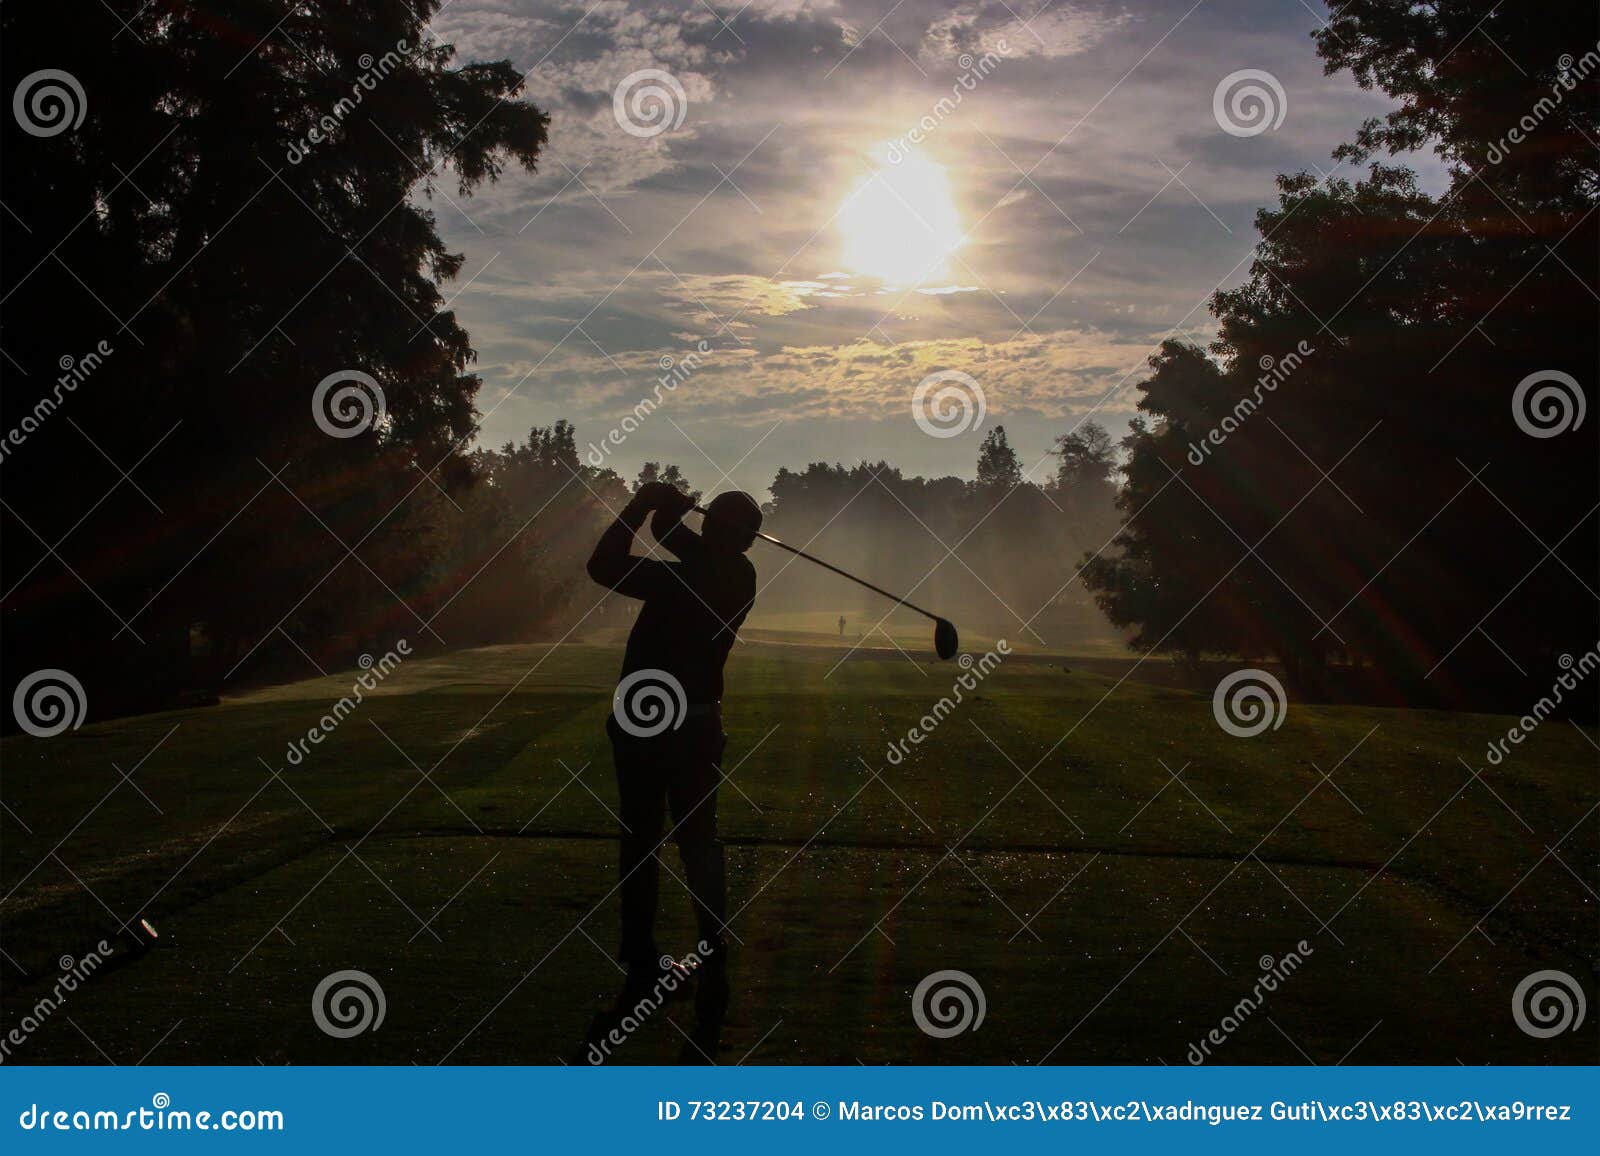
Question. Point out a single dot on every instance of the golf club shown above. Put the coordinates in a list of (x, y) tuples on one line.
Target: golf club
[(945, 640)]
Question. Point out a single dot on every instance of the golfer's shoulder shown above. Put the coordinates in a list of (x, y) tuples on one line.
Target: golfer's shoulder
[(738, 579)]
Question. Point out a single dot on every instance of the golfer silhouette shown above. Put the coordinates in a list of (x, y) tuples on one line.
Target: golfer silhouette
[(667, 741)]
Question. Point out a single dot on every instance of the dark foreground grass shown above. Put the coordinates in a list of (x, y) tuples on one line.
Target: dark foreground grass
[(1112, 868)]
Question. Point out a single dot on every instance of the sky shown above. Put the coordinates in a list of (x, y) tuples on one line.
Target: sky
[(804, 209)]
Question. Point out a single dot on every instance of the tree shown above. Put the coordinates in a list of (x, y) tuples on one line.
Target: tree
[(672, 475), (999, 469), (1345, 473), (236, 220)]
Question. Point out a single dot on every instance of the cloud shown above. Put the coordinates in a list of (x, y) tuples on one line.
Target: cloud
[(1079, 251), (1052, 32)]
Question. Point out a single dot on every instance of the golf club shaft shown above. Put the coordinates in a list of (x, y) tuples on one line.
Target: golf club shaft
[(782, 545)]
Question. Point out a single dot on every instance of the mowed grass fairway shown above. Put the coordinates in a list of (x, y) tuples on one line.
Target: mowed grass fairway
[(1109, 865)]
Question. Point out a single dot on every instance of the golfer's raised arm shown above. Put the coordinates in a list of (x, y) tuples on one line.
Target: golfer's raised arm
[(611, 564)]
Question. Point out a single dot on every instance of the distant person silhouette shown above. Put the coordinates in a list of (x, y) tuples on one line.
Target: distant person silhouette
[(841, 626), (691, 611)]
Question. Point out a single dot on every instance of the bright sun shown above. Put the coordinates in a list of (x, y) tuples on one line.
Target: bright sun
[(900, 225)]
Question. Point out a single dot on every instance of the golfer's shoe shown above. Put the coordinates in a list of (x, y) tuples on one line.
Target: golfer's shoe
[(711, 994)]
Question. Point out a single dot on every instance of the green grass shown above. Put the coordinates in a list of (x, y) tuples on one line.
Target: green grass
[(1103, 926)]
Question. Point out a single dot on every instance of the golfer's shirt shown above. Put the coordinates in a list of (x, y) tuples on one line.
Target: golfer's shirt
[(692, 611)]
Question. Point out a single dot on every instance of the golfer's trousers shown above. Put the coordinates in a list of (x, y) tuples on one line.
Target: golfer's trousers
[(676, 772)]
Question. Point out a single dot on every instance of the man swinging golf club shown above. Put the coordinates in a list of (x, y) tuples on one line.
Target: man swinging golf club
[(666, 734)]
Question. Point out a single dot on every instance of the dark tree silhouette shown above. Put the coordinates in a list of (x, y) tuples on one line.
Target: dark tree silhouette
[(1349, 478), (235, 219)]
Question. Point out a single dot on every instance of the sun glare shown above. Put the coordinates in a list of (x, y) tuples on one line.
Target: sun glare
[(900, 225)]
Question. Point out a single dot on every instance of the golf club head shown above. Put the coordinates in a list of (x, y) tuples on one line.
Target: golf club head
[(945, 641)]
